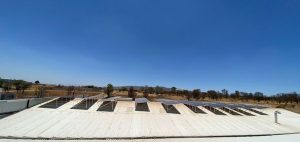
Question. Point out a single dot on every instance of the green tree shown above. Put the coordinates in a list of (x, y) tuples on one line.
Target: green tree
[(131, 93), (151, 90), (237, 94), (196, 94), (225, 93), (158, 90), (258, 96), (212, 94), (109, 90), (173, 90), (37, 82), (187, 94)]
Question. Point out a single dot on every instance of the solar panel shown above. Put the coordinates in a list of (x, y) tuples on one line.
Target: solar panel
[(233, 106), (210, 104), (141, 100), (183, 101), (142, 107), (57, 102), (85, 104), (107, 106), (170, 109), (168, 102), (195, 109), (196, 103), (214, 104)]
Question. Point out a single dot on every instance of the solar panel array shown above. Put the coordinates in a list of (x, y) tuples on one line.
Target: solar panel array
[(217, 108), (85, 104), (57, 102)]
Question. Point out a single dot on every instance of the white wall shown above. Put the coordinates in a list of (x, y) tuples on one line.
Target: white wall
[(7, 106)]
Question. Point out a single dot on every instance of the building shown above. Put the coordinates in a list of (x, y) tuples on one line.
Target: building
[(91, 119)]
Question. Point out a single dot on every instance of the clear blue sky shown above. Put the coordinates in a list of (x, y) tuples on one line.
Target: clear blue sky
[(249, 45)]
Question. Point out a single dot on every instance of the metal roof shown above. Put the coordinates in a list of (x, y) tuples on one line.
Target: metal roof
[(125, 122)]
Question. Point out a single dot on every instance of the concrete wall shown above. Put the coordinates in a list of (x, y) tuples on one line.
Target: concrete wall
[(7, 106)]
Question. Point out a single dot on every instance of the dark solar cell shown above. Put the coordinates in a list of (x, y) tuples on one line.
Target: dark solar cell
[(196, 103), (213, 110), (107, 106), (195, 109), (229, 111), (232, 106), (142, 107), (170, 109), (57, 103), (258, 112), (141, 100), (184, 101), (215, 105), (243, 112), (168, 102), (85, 104)]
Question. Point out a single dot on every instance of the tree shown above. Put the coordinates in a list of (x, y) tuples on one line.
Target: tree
[(131, 93), (151, 90), (225, 93), (109, 90), (37, 82), (212, 94), (258, 96), (236, 95), (203, 95), (1, 82), (17, 84), (24, 85), (187, 94), (173, 90), (146, 92), (6, 86), (196, 94), (158, 90)]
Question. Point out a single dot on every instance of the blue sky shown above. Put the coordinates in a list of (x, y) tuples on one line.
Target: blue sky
[(250, 45)]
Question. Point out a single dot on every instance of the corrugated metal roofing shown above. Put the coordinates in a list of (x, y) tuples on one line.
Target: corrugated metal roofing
[(125, 122)]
